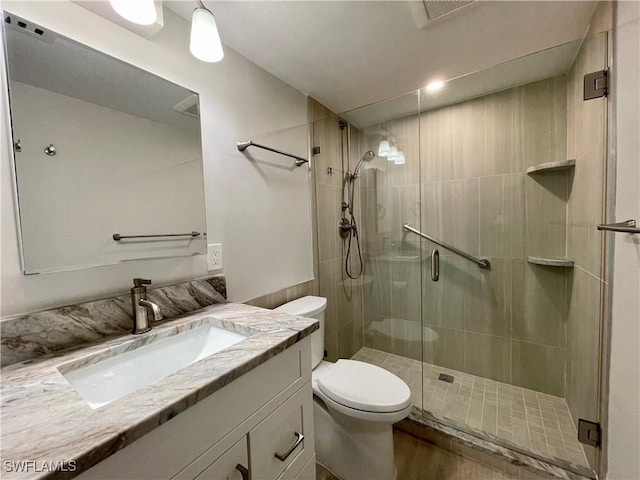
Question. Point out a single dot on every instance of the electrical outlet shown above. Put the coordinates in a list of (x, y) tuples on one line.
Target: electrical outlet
[(214, 256)]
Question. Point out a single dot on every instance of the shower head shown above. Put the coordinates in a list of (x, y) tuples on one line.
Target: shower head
[(367, 157)]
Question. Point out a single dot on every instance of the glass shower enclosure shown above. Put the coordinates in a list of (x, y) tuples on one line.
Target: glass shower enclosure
[(484, 274)]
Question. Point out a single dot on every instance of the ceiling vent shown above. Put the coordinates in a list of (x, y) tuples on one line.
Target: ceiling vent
[(427, 11), (439, 8), (189, 106)]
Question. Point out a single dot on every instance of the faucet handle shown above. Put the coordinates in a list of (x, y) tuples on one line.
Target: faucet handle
[(138, 282)]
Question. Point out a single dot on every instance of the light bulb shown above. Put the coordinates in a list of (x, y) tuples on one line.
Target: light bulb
[(142, 12), (393, 154), (400, 160), (205, 41), (435, 85), (384, 149)]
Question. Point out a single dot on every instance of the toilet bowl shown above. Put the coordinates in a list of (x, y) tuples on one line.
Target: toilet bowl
[(355, 406)]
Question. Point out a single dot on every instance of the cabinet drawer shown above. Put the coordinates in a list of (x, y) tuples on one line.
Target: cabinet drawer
[(276, 436), (230, 465)]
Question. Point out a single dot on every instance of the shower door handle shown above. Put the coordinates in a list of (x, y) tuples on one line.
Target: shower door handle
[(435, 265)]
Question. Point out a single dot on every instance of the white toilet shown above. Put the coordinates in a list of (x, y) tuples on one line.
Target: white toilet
[(355, 405)]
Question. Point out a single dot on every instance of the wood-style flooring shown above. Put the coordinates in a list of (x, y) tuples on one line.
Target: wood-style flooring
[(419, 460)]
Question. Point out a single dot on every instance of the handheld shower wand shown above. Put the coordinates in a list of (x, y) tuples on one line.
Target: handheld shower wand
[(349, 227)]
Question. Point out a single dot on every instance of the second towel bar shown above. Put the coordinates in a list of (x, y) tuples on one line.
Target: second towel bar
[(117, 237)]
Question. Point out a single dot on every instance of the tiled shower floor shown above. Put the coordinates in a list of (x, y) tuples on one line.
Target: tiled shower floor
[(532, 421)]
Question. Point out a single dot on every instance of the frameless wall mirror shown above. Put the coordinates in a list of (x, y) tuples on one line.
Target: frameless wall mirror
[(108, 158)]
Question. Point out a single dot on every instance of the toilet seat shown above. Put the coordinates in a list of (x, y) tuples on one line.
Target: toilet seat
[(362, 391)]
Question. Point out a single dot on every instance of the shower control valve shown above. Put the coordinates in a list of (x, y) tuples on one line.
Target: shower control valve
[(344, 228)]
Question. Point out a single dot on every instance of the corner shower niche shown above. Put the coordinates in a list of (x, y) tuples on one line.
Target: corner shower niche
[(547, 190)]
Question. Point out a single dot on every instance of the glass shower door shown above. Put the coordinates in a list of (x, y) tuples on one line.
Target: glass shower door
[(390, 197)]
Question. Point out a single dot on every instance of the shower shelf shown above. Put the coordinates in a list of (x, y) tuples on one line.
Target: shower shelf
[(551, 262), (551, 166)]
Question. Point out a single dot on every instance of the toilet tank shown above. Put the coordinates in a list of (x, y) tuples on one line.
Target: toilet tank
[(311, 307)]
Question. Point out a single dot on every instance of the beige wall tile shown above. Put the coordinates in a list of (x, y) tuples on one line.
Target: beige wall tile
[(518, 226), (329, 198), (496, 216), (487, 356), (443, 303), (546, 214), (460, 214), (444, 347), (327, 135), (487, 298), (539, 302), (470, 136), (538, 367), (583, 345), (499, 111), (543, 120)]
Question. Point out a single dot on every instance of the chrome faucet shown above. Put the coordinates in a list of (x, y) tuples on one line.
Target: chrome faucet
[(142, 307)]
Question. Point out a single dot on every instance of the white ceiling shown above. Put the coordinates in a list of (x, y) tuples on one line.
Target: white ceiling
[(347, 54), (531, 68)]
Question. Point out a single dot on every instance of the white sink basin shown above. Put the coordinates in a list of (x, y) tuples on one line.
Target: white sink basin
[(115, 377)]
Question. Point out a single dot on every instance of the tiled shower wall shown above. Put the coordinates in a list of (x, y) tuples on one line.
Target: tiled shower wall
[(343, 327), (470, 190)]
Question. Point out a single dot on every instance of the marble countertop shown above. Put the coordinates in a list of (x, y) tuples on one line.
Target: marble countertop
[(44, 421)]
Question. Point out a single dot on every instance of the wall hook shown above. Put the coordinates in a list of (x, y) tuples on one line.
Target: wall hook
[(17, 146), (50, 150)]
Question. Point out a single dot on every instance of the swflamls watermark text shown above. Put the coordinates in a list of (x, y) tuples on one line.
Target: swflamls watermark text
[(39, 466)]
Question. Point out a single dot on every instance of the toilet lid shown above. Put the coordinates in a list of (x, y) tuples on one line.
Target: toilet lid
[(306, 306), (364, 387)]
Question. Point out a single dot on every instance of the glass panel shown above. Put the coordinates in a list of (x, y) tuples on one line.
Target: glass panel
[(522, 372), (509, 354), (390, 197)]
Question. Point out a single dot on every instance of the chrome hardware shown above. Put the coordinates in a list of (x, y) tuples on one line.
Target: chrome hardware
[(628, 226), (481, 262), (142, 306), (243, 471), (283, 456), (17, 146), (435, 265), (50, 150), (242, 146), (117, 237)]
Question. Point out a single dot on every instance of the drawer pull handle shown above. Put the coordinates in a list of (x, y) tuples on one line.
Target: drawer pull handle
[(283, 456), (243, 471)]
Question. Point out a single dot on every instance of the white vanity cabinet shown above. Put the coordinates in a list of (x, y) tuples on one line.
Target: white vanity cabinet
[(259, 427)]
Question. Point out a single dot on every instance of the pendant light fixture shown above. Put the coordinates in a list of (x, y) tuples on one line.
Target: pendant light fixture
[(384, 149), (205, 42), (393, 154), (399, 160), (142, 12)]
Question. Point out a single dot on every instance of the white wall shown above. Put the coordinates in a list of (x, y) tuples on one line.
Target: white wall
[(259, 210), (624, 387)]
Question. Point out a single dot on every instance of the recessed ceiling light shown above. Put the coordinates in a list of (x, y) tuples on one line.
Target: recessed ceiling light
[(142, 12), (435, 85)]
